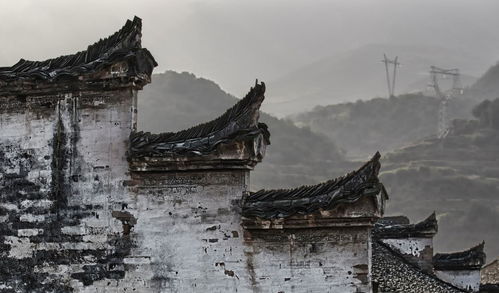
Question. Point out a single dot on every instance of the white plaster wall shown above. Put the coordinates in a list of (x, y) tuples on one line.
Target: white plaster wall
[(464, 279), (189, 239), (185, 235), (410, 246)]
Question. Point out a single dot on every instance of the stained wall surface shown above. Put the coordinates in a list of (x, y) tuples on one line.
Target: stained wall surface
[(62, 171), (73, 218), (189, 227), (464, 279), (417, 250)]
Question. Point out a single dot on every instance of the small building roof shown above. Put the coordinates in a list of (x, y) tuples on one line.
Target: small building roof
[(391, 272), (283, 203), (394, 220), (237, 123), (490, 273), (392, 229), (124, 45), (471, 259)]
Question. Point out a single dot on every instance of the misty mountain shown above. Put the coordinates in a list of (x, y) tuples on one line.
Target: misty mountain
[(296, 156), (359, 74), (457, 176), (487, 86), (383, 124)]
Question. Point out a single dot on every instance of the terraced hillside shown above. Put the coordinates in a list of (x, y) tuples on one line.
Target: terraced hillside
[(457, 176)]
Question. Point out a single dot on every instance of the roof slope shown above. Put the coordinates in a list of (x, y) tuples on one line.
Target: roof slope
[(473, 258), (387, 229), (122, 45), (490, 273), (392, 273), (238, 122), (282, 203)]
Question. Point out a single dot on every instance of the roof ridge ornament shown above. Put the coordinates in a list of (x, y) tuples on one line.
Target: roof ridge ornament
[(304, 200), (425, 228), (472, 258), (122, 46), (238, 122)]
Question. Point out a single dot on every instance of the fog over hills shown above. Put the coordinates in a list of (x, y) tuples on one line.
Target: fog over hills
[(457, 176), (487, 87), (383, 124), (390, 123), (359, 74)]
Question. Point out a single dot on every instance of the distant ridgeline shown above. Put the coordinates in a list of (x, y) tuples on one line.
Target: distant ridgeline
[(88, 203), (380, 123)]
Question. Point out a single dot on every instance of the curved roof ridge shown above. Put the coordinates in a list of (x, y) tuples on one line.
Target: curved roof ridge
[(306, 190), (282, 203), (427, 227), (120, 45), (242, 117), (477, 248), (473, 257)]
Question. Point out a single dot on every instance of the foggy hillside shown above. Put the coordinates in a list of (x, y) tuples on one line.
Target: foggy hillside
[(457, 177), (383, 124), (386, 124), (487, 86), (359, 74), (296, 156)]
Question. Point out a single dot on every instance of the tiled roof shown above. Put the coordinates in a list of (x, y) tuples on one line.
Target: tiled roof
[(473, 258), (282, 203), (388, 229), (238, 123), (490, 273), (392, 273), (122, 45)]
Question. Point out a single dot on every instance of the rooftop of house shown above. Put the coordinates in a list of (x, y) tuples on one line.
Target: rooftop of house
[(283, 203), (391, 272), (471, 259), (234, 136), (490, 273), (122, 46), (399, 227)]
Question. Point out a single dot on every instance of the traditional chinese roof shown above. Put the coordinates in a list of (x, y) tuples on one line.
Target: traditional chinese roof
[(124, 45), (392, 273), (282, 203), (398, 228), (471, 259), (489, 274), (238, 123), (393, 220)]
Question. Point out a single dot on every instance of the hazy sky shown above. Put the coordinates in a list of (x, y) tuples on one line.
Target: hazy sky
[(234, 41)]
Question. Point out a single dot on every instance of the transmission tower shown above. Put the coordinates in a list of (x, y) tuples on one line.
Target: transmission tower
[(390, 83), (435, 74)]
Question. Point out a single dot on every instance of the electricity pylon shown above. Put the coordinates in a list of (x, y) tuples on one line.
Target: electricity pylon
[(435, 73), (390, 83)]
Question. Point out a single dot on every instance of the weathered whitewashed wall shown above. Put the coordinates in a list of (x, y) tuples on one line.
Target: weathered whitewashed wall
[(62, 172), (74, 219), (417, 250), (464, 279), (189, 239)]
